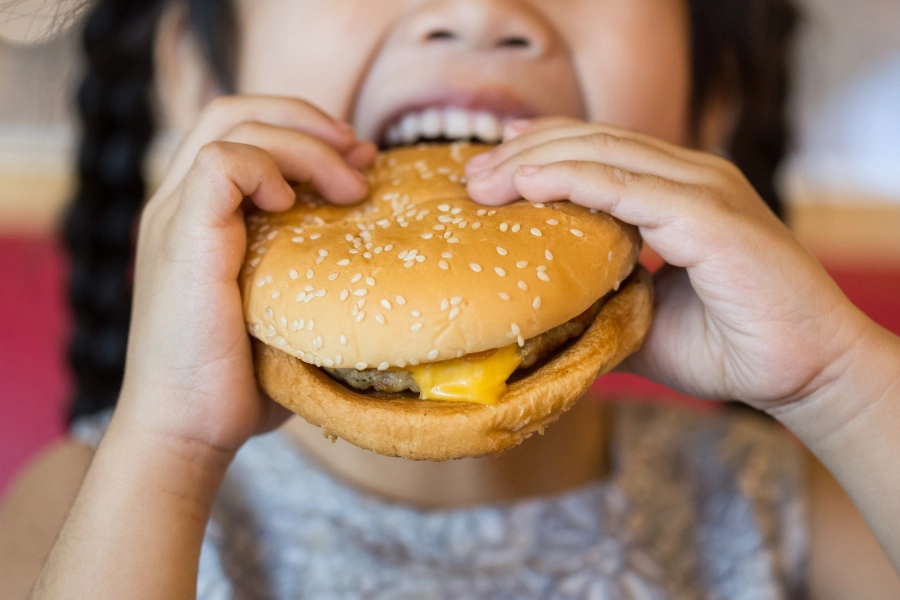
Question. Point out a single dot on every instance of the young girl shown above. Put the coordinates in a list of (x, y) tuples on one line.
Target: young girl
[(613, 104)]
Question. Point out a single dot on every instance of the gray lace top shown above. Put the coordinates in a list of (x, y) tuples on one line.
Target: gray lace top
[(698, 506)]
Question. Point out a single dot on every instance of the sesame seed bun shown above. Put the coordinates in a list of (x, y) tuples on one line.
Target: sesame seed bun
[(419, 273)]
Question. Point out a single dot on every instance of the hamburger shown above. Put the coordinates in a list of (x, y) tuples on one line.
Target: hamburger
[(420, 324)]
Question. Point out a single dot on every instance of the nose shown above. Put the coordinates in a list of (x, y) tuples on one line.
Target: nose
[(481, 26)]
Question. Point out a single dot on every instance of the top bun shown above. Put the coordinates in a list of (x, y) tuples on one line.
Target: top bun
[(418, 272)]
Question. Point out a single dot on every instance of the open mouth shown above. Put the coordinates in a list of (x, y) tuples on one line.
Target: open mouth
[(444, 125)]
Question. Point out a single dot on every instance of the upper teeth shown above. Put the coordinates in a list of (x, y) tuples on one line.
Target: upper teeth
[(452, 123)]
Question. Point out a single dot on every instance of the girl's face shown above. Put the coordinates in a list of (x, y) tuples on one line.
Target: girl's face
[(398, 68)]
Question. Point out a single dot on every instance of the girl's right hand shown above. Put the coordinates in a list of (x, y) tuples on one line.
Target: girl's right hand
[(189, 370)]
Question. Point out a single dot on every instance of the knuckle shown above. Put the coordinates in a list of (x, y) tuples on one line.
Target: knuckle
[(247, 129), (620, 176), (220, 107), (601, 140)]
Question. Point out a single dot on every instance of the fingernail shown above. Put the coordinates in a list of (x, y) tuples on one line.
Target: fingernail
[(481, 158), (528, 169), (514, 128), (481, 175)]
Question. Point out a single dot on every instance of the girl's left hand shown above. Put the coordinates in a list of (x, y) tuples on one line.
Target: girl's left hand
[(743, 311)]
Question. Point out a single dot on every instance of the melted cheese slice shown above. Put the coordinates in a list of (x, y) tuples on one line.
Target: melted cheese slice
[(479, 378)]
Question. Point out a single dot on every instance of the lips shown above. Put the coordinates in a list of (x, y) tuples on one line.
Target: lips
[(452, 116)]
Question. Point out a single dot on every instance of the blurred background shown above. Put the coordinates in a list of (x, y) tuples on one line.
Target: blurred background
[(842, 184)]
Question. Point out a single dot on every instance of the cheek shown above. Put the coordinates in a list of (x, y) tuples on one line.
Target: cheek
[(636, 73), (302, 49)]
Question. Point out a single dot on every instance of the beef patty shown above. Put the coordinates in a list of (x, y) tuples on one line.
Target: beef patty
[(534, 351)]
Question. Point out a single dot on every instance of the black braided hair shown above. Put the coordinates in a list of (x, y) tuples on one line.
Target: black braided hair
[(114, 103), (740, 48)]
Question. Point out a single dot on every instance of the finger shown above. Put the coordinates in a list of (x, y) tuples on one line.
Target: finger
[(495, 186), (305, 159), (520, 127), (223, 174), (546, 130), (224, 113), (680, 221), (362, 155)]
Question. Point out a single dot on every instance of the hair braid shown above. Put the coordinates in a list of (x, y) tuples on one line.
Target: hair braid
[(117, 125)]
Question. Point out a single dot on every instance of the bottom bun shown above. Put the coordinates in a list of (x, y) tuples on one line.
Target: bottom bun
[(398, 425)]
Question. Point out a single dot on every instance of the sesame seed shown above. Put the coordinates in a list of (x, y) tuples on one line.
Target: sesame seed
[(293, 274), (323, 252), (543, 276), (361, 366), (344, 262), (521, 341), (516, 228), (349, 237), (328, 362), (383, 366), (515, 329), (311, 325), (344, 294), (367, 255), (446, 255), (523, 286), (542, 268), (537, 303), (260, 283), (481, 212), (400, 300), (552, 222), (504, 296), (272, 332), (378, 250), (255, 262), (433, 355), (610, 257), (360, 316), (414, 362), (448, 234), (439, 227), (338, 358), (577, 232), (445, 304), (295, 326), (270, 279), (535, 231), (502, 251), (300, 324), (370, 281), (522, 264), (402, 255), (454, 313), (282, 342), (333, 276), (476, 225), (389, 247), (320, 293), (453, 240), (319, 342), (275, 295), (380, 318), (548, 254), (456, 301), (343, 340), (475, 267), (416, 314), (416, 327), (283, 321), (420, 259), (504, 227), (300, 297), (427, 236), (361, 292), (386, 304), (308, 288), (315, 236), (400, 363), (310, 274), (298, 240), (409, 263), (443, 207), (500, 272), (356, 278), (353, 251)]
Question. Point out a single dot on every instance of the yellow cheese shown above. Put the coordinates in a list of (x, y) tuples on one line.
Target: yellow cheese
[(477, 378)]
